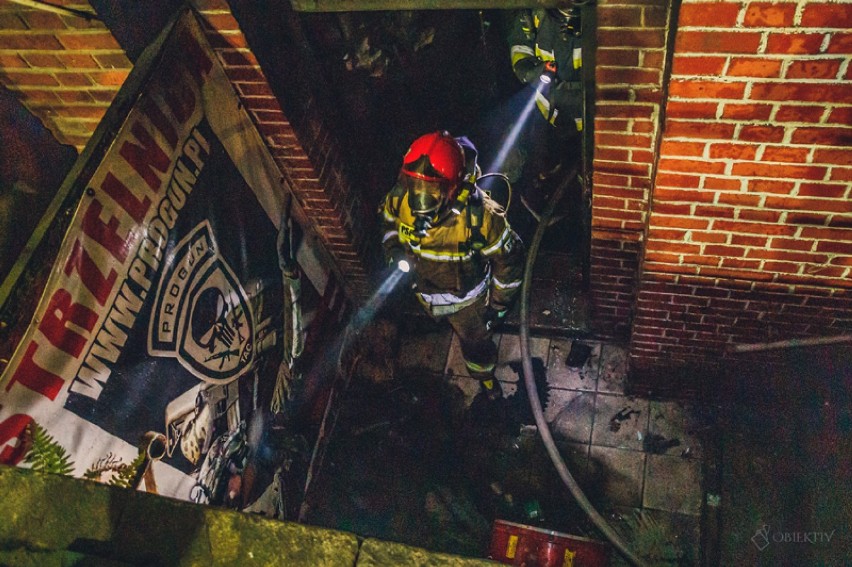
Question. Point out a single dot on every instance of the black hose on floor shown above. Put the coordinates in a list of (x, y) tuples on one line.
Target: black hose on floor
[(535, 402)]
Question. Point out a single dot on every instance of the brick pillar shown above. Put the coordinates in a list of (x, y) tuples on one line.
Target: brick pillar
[(630, 56), (65, 69), (284, 101), (750, 229)]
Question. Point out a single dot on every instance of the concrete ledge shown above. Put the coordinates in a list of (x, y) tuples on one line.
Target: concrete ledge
[(51, 512), (29, 558), (57, 520), (49, 518), (377, 553)]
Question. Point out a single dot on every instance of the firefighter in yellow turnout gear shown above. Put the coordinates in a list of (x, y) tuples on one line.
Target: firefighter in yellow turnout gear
[(466, 260)]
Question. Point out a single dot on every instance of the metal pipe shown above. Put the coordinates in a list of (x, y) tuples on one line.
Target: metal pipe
[(535, 402), (790, 343)]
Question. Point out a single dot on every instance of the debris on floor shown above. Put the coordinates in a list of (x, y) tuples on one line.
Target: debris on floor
[(579, 355), (657, 444), (426, 448), (622, 415)]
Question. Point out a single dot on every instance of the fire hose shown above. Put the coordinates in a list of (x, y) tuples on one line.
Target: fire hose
[(535, 403)]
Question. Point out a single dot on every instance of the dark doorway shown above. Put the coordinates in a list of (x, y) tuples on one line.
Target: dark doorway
[(397, 75)]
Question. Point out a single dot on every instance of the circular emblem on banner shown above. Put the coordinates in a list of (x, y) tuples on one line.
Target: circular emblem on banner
[(202, 315)]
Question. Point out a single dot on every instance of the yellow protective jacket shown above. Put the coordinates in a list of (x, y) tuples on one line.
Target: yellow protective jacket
[(455, 264)]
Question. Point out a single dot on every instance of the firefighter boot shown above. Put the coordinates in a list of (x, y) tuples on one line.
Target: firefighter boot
[(491, 389)]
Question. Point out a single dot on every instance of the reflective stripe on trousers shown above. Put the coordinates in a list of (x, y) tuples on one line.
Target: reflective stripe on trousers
[(476, 340)]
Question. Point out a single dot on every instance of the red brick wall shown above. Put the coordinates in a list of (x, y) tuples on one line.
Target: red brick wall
[(631, 39), (749, 235), (65, 69), (301, 144)]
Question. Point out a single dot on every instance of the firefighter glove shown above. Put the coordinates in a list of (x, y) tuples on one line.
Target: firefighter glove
[(531, 73), (567, 97)]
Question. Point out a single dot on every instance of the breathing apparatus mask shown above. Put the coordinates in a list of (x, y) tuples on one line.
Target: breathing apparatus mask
[(569, 20), (426, 198)]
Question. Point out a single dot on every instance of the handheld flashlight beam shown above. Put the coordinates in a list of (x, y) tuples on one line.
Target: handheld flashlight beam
[(517, 127)]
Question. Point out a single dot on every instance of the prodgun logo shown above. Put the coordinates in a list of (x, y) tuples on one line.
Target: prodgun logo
[(202, 315)]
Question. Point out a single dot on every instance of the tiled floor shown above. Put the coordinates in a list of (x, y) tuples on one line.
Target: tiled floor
[(637, 458)]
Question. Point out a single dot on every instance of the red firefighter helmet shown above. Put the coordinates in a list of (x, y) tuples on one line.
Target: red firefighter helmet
[(432, 172)]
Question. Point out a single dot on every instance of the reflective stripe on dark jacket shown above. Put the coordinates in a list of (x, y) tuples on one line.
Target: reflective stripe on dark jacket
[(536, 38)]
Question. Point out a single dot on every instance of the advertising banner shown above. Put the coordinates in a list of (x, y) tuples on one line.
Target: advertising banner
[(159, 337)]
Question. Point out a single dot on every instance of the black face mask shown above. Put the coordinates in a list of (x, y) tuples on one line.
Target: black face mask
[(569, 22)]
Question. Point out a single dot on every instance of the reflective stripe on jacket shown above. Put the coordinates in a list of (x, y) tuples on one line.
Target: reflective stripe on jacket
[(447, 268), (536, 38)]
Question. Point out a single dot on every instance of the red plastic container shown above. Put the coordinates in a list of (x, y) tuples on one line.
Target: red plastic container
[(527, 546)]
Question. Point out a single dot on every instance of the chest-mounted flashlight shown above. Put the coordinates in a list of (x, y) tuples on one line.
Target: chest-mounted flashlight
[(549, 73)]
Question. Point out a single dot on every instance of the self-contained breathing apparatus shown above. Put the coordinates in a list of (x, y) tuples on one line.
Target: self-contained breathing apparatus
[(437, 184)]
